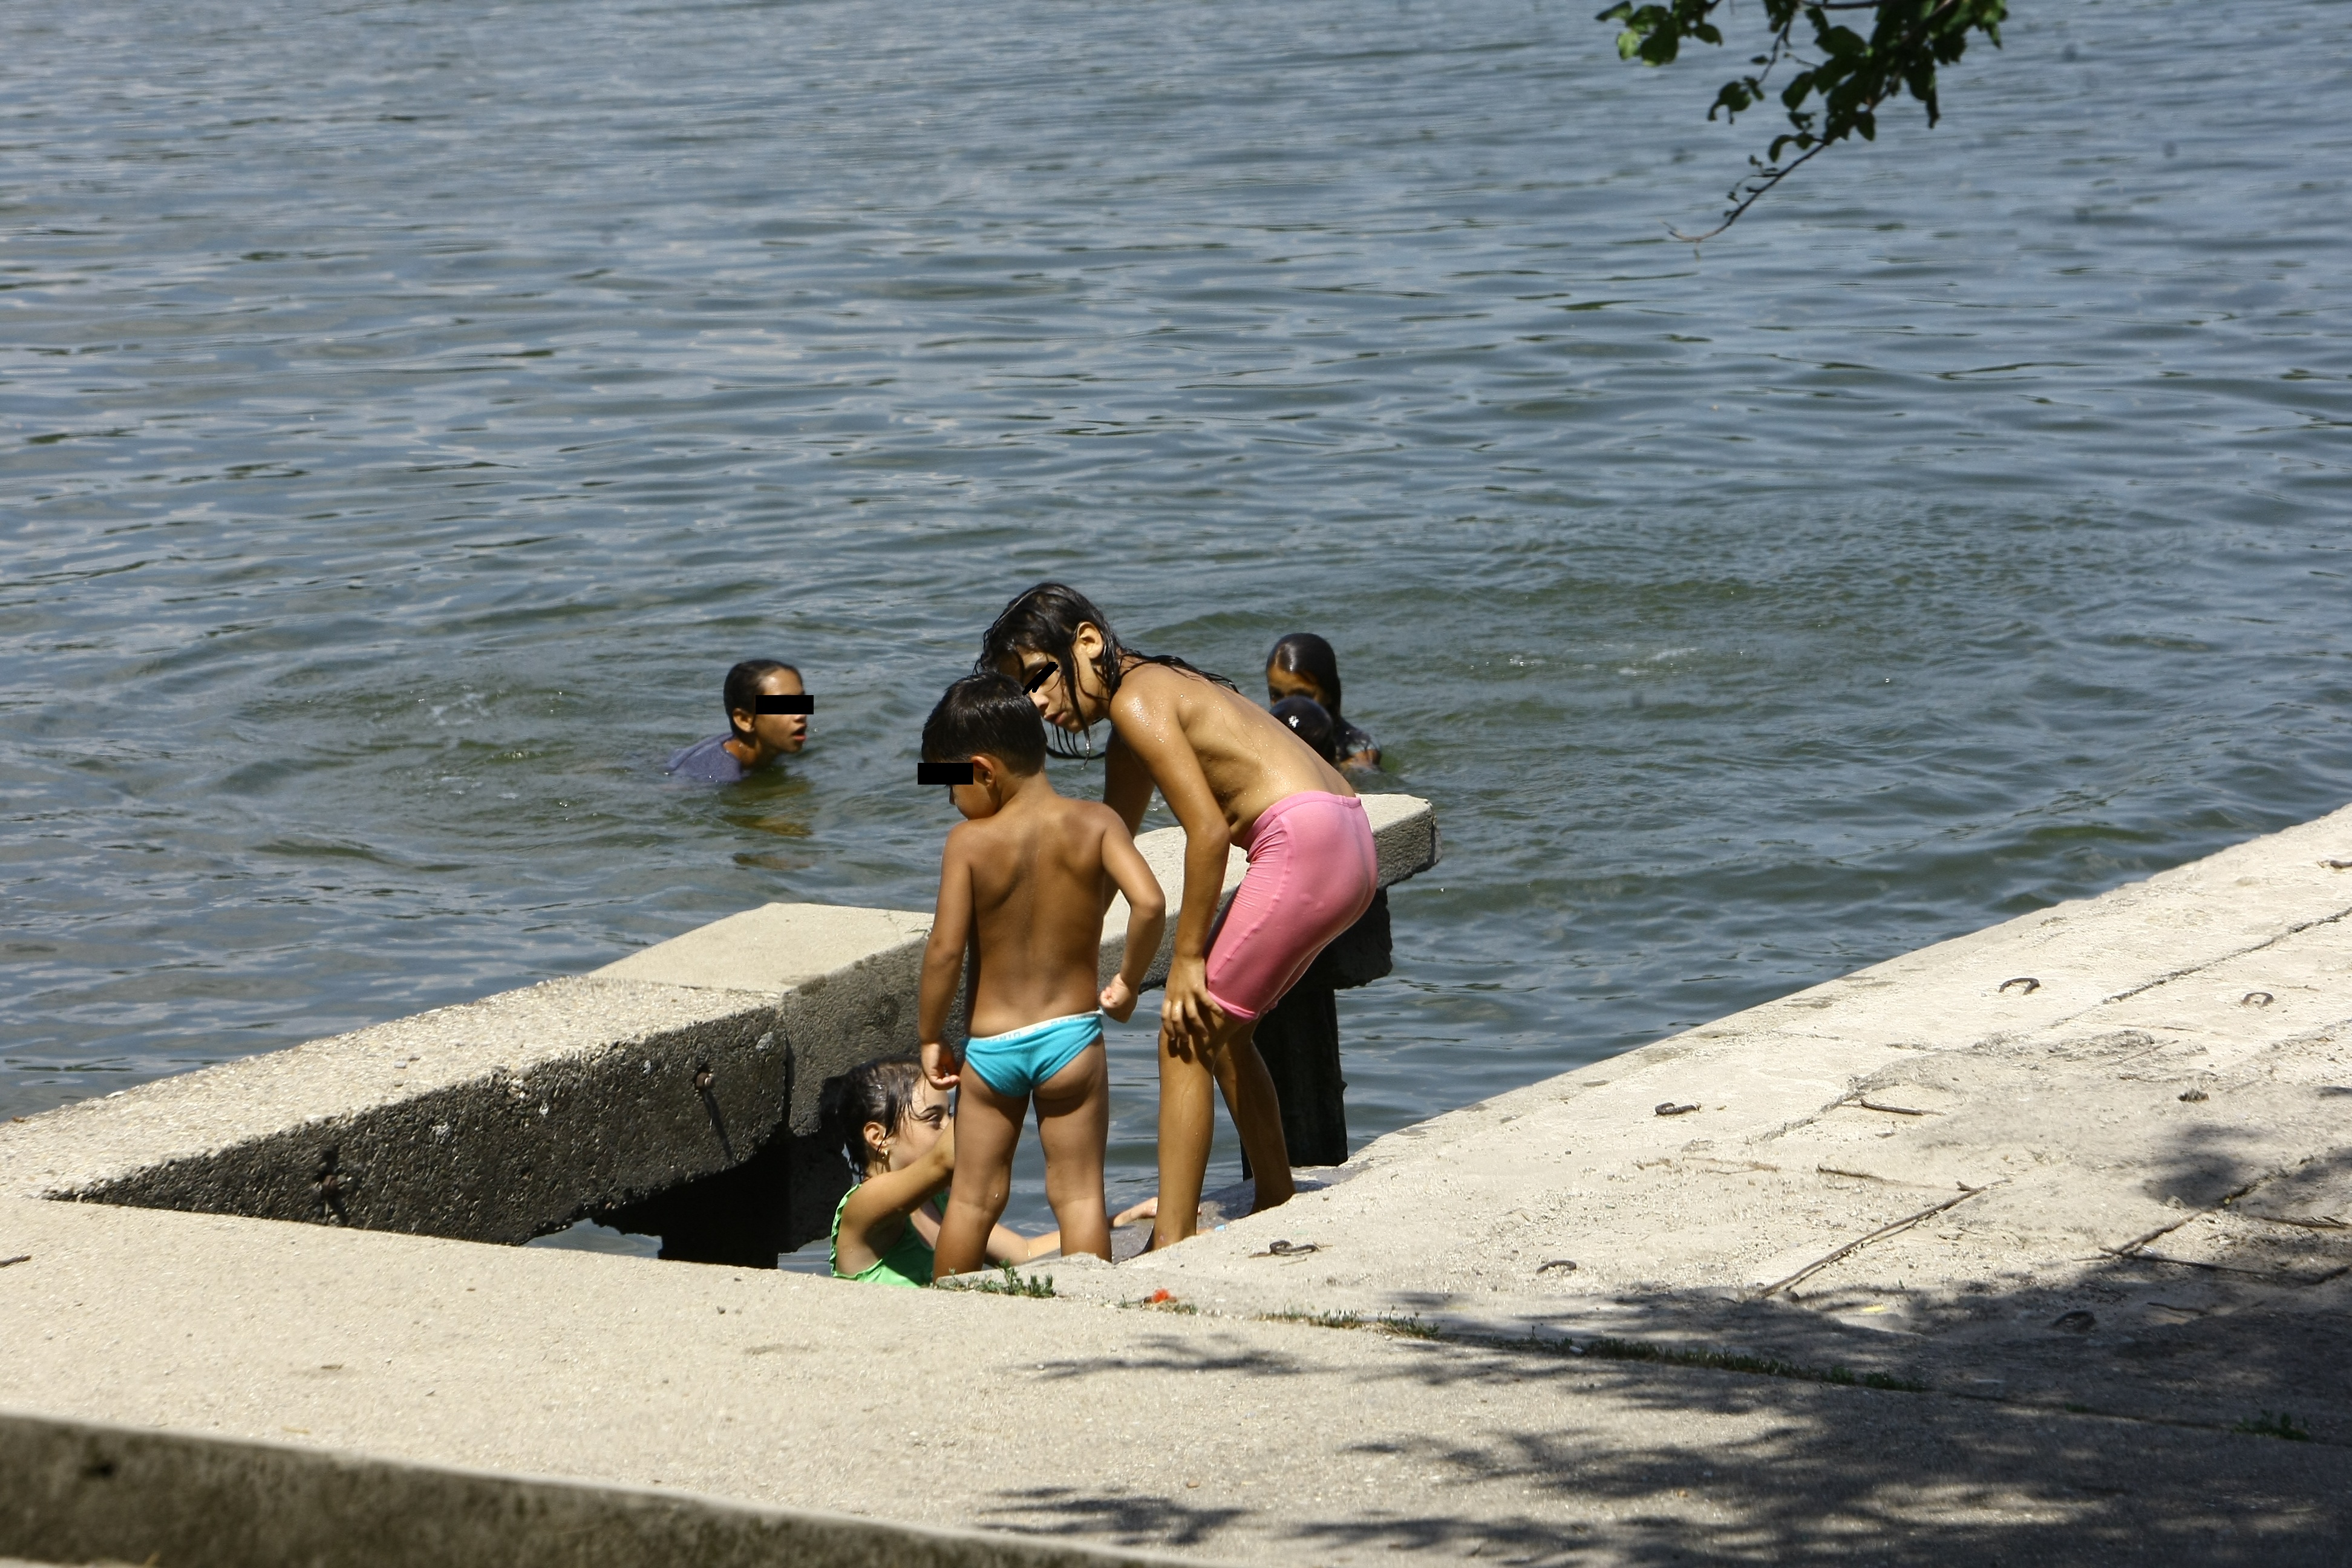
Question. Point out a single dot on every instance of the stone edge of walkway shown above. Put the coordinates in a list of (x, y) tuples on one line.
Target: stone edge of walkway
[(1763, 1070), (505, 1118), (82, 1491)]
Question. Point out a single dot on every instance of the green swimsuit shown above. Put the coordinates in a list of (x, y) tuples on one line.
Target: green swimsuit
[(907, 1263)]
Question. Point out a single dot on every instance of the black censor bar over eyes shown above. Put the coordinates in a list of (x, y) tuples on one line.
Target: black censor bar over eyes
[(799, 702), (943, 772)]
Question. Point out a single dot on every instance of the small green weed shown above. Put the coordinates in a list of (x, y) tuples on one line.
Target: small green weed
[(1411, 1328), (2280, 1426), (1037, 1287), (1314, 1320), (1164, 1301)]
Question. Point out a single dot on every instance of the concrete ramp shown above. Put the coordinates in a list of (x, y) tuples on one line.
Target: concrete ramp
[(1927, 1265)]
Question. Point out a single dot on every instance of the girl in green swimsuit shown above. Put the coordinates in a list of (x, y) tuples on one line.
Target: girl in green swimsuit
[(898, 1136)]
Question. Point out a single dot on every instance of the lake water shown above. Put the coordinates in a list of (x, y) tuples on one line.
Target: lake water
[(408, 410)]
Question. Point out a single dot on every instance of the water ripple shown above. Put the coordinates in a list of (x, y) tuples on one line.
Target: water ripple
[(409, 409)]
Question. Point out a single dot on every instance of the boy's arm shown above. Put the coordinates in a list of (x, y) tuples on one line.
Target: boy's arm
[(943, 962), (1147, 918)]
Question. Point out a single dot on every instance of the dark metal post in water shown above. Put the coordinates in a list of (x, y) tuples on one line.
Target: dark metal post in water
[(1298, 1038)]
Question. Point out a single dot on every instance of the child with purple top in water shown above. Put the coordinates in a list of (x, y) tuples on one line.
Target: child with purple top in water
[(756, 734)]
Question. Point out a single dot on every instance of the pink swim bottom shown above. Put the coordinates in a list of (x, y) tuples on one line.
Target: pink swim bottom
[(1312, 874)]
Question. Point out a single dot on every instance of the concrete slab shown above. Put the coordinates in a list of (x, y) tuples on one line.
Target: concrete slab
[(772, 948), (510, 1117), (2146, 1154), (2105, 1318), (1213, 1435), (88, 1492), (494, 1120)]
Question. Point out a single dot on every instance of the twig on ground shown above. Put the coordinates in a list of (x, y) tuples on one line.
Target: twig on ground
[(2268, 1276), (1810, 1270)]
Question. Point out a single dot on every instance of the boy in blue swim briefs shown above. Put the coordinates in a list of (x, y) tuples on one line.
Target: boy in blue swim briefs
[(1024, 882)]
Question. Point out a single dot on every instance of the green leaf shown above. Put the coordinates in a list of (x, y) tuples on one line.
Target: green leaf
[(1851, 76)]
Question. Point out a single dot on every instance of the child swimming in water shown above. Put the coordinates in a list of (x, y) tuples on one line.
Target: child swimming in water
[(762, 725), (897, 1136), (1303, 665), (1310, 724), (1024, 885), (1233, 774)]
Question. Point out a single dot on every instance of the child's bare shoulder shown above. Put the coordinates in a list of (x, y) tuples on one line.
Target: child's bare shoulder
[(1090, 816), (1152, 688), (971, 839)]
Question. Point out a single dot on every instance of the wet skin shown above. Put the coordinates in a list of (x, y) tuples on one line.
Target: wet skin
[(1219, 761), (760, 738), (1024, 885), (905, 1165)]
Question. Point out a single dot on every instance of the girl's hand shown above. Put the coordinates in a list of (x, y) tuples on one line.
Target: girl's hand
[(1188, 1017), (939, 1066), (1119, 999), (1148, 1209)]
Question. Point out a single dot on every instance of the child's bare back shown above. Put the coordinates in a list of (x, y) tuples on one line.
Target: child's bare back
[(1038, 889), (1024, 883)]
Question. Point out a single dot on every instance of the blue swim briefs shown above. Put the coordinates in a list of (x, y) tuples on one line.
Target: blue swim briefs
[(1015, 1062)]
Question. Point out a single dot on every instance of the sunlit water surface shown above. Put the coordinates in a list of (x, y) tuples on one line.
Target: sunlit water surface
[(408, 410)]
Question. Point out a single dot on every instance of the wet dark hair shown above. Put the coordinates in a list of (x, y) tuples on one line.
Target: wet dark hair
[(882, 1091), (1304, 653), (986, 714), (1046, 619), (1310, 724), (741, 692)]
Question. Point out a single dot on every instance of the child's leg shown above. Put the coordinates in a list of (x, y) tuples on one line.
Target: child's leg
[(1186, 1109), (1313, 872), (1232, 1065), (1073, 1124), (987, 1129), (1256, 1112)]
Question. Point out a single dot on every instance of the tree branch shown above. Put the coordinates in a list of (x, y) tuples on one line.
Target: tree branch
[(1836, 93), (1758, 184)]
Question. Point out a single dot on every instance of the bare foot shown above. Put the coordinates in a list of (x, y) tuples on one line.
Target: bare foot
[(1264, 1196)]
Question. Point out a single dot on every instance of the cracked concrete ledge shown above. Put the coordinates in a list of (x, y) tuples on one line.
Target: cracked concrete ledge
[(2102, 1355), (84, 1491), (503, 1119), (2150, 1092)]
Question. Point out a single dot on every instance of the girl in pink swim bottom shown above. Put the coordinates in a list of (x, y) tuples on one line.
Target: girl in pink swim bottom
[(1232, 774), (1312, 874)]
